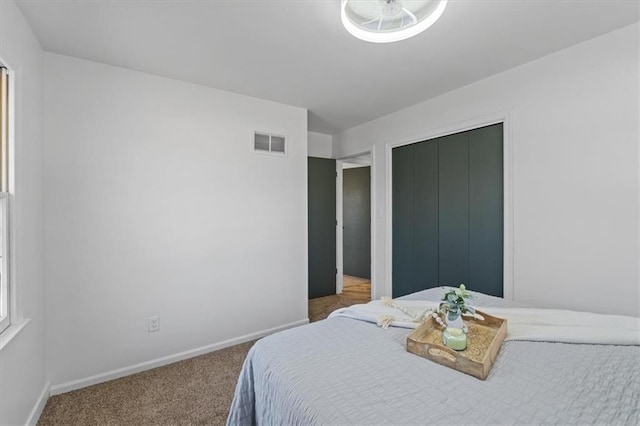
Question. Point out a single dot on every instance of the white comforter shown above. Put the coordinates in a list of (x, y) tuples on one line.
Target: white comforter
[(343, 372), (525, 324)]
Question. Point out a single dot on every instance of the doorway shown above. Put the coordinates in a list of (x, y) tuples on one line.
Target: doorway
[(321, 187), (356, 227)]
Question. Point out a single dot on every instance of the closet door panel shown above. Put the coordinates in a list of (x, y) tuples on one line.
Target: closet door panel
[(403, 220), (453, 204), (486, 210), (426, 215)]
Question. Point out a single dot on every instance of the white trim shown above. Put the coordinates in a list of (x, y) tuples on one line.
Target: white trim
[(169, 359), (374, 222), (12, 218), (36, 412), (15, 83), (388, 249), (346, 165), (508, 280), (508, 216), (12, 331), (5, 281), (339, 233), (5, 275)]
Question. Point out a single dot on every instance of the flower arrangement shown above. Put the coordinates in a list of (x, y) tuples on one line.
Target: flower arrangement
[(454, 303)]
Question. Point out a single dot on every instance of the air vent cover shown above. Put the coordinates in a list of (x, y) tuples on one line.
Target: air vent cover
[(269, 143)]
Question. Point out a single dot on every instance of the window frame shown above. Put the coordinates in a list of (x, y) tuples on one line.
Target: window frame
[(6, 98), (5, 305)]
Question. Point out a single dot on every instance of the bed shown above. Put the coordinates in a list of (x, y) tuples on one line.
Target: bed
[(346, 371)]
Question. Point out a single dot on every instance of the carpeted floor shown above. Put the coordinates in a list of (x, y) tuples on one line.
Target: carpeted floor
[(197, 391), (321, 307)]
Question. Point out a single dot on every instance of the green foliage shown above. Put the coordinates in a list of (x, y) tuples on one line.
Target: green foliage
[(454, 302)]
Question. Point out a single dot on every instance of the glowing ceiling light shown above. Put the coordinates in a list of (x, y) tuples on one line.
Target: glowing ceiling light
[(385, 21)]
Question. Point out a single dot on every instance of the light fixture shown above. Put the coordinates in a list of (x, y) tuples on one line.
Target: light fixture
[(385, 21)]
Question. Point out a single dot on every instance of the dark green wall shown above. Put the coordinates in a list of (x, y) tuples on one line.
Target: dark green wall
[(356, 221), (448, 213)]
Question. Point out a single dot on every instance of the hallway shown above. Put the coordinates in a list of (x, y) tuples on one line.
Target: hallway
[(357, 289)]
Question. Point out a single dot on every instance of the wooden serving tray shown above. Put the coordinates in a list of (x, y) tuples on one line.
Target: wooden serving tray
[(483, 343)]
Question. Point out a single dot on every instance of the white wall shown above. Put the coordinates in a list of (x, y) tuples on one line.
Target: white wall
[(575, 134), (320, 145), (23, 359), (155, 206)]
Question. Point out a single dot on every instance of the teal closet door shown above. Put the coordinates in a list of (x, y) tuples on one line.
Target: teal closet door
[(453, 207), (448, 213), (486, 210), (425, 208), (403, 223)]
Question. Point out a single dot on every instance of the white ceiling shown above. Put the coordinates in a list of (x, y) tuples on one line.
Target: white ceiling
[(296, 51)]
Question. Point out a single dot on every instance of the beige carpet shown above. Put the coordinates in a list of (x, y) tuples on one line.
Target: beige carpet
[(321, 307), (197, 391)]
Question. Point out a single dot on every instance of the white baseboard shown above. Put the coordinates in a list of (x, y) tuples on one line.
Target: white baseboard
[(159, 362), (37, 409)]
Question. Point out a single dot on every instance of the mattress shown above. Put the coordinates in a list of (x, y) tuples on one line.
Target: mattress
[(344, 371)]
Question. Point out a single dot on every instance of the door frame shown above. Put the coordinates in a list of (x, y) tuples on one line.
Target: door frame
[(503, 117), (339, 221)]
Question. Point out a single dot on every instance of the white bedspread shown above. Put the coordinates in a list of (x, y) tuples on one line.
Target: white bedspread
[(524, 324), (344, 372)]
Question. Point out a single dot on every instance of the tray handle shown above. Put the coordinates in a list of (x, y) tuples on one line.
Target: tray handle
[(444, 353)]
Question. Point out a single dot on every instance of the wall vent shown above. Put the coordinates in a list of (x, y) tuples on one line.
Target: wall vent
[(269, 143)]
